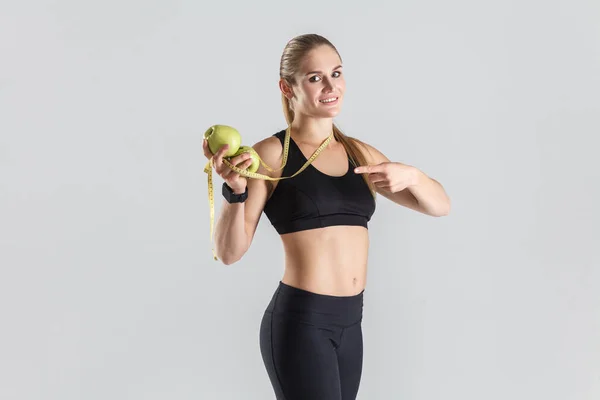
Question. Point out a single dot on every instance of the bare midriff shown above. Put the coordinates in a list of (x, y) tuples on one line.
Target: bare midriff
[(330, 260)]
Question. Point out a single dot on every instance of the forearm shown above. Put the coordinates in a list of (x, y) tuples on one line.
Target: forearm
[(430, 194), (231, 240)]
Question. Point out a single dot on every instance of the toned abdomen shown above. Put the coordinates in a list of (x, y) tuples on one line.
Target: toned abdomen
[(331, 260)]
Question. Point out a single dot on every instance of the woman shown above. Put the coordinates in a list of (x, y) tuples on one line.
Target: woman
[(310, 335)]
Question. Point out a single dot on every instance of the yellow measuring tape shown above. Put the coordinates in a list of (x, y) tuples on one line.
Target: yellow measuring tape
[(286, 144)]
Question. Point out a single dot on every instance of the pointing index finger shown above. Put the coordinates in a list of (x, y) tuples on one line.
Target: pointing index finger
[(365, 169)]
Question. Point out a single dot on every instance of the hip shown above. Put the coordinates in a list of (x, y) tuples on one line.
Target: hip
[(315, 309)]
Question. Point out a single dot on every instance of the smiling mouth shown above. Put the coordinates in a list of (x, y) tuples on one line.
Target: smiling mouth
[(329, 100)]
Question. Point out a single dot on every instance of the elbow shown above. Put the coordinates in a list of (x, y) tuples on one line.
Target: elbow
[(442, 211), (230, 255), (441, 214), (231, 248), (228, 259), (438, 210)]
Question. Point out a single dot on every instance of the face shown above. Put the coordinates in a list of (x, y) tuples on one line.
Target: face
[(319, 81)]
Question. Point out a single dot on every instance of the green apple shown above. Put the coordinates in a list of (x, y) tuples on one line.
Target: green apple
[(219, 135), (253, 155)]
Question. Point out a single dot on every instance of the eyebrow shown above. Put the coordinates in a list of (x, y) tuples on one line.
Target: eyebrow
[(316, 72)]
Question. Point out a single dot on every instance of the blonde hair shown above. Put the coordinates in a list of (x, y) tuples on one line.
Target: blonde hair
[(293, 53)]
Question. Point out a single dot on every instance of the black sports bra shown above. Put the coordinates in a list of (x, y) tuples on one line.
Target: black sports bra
[(313, 199)]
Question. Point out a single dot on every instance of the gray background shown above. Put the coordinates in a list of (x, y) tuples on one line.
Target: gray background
[(107, 286)]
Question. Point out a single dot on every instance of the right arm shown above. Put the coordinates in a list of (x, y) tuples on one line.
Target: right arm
[(237, 222)]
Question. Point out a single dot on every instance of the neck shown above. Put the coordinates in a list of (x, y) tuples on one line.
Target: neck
[(311, 130)]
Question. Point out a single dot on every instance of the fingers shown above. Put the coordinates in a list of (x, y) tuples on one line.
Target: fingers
[(229, 173), (384, 186), (378, 178), (209, 154), (225, 169), (205, 149), (371, 169), (220, 153), (366, 169), (241, 161), (218, 159), (238, 159)]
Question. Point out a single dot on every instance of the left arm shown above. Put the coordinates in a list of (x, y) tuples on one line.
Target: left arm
[(404, 184)]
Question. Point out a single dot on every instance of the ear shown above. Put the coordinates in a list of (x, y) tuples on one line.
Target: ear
[(286, 89)]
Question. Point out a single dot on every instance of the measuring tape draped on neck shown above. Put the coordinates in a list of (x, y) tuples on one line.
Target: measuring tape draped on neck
[(234, 151)]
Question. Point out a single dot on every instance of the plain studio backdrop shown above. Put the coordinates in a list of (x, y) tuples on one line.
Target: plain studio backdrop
[(108, 289)]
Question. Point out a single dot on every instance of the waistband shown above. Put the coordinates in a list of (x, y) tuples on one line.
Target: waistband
[(315, 308)]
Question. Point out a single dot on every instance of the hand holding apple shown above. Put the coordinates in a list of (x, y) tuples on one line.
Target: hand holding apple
[(253, 156), (233, 179), (224, 142)]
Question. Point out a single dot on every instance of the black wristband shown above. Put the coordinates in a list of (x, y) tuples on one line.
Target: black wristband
[(232, 197)]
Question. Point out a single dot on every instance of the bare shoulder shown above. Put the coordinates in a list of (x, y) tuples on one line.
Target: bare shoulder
[(269, 149), (270, 152)]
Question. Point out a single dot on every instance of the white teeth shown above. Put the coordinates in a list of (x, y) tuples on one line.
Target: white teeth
[(328, 100)]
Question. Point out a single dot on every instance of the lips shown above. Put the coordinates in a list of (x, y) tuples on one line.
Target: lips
[(329, 100)]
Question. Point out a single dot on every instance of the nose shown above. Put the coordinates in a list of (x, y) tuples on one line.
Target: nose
[(327, 85)]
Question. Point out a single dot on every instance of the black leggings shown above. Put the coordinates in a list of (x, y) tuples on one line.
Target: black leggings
[(312, 344)]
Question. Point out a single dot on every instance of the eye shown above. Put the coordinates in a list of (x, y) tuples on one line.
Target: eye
[(317, 76)]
